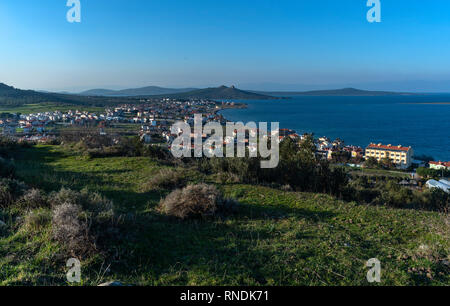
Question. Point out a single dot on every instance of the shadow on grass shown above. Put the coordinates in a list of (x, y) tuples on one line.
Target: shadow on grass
[(233, 251), (35, 169)]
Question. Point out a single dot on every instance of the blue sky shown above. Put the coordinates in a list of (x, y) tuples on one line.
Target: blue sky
[(263, 44)]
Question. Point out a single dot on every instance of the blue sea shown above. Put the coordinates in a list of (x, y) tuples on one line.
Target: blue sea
[(361, 120)]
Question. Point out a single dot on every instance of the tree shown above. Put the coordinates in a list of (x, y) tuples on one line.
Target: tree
[(371, 162)]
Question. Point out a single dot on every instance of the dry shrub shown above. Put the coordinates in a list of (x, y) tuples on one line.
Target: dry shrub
[(34, 221), (227, 178), (167, 179), (82, 221), (65, 196), (196, 201), (90, 201), (70, 229), (32, 199)]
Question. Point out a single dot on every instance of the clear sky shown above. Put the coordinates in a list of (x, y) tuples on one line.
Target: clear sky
[(265, 44)]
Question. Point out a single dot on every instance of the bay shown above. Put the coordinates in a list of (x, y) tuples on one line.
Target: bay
[(419, 121)]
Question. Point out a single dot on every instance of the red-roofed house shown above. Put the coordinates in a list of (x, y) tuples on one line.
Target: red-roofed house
[(439, 165)]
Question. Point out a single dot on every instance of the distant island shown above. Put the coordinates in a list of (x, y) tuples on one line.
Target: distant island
[(224, 92), (334, 92)]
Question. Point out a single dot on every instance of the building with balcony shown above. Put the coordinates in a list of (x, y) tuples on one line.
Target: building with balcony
[(398, 155)]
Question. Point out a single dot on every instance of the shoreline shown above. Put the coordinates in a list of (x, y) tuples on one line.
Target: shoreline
[(359, 144)]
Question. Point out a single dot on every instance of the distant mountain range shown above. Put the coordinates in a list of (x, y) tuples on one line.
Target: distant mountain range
[(333, 92), (224, 92), (101, 97), (143, 91)]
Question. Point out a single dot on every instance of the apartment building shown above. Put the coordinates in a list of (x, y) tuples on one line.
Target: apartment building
[(399, 155)]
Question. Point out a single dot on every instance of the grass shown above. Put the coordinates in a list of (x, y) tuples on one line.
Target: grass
[(276, 238), (379, 172), (47, 107)]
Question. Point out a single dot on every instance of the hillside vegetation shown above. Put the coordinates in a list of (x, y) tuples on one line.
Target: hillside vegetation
[(274, 237)]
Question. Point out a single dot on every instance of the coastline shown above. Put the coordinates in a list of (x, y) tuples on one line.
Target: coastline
[(360, 121)]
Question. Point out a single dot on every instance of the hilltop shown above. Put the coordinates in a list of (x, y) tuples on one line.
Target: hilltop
[(275, 237), (13, 97), (220, 93)]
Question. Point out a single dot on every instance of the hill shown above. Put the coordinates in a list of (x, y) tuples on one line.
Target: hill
[(274, 238), (143, 91), (14, 97), (334, 92), (10, 95), (220, 93)]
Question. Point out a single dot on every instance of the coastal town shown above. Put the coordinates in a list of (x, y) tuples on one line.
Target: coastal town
[(152, 121)]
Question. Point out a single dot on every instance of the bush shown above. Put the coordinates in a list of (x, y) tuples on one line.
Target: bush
[(91, 202), (167, 179), (227, 178), (9, 147), (7, 168), (36, 220), (10, 190), (298, 167), (33, 198), (69, 230), (196, 201), (82, 209), (434, 199)]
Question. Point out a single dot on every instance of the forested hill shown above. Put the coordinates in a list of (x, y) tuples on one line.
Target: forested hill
[(221, 93), (10, 96)]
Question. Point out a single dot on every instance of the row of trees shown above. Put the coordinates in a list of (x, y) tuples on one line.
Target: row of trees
[(433, 173), (299, 168)]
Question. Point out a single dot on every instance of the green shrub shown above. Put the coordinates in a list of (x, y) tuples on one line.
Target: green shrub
[(10, 191), (7, 168), (434, 199), (196, 201)]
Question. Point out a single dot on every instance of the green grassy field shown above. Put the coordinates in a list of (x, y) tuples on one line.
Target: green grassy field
[(48, 107), (276, 238)]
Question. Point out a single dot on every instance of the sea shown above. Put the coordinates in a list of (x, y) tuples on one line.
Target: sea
[(419, 121)]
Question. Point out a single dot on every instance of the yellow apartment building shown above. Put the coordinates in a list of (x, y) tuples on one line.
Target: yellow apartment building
[(399, 155)]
